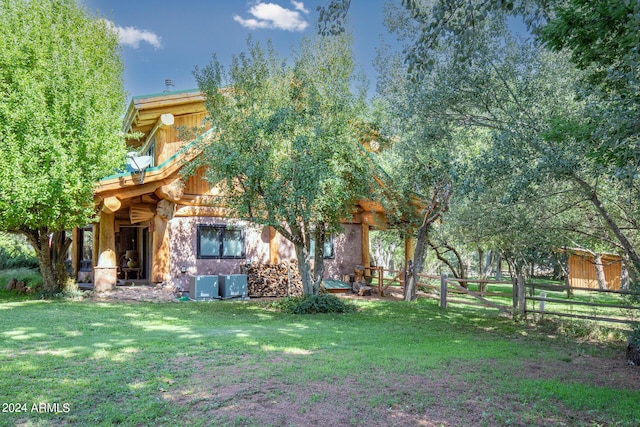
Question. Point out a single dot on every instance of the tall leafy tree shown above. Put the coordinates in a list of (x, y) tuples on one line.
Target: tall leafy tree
[(286, 151), (602, 38), (596, 147), (61, 97), (477, 123)]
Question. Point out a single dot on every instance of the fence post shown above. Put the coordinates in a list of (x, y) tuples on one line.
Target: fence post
[(380, 280), (522, 295), (543, 298), (443, 290)]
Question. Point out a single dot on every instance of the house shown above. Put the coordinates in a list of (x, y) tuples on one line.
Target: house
[(157, 226), (584, 265)]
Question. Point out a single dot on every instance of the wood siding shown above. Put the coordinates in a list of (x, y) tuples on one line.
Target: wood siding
[(197, 185), (168, 140), (582, 271)]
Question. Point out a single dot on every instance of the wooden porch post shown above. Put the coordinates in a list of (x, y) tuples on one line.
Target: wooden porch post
[(107, 244), (274, 246), (366, 259), (96, 244), (75, 249), (106, 271), (160, 254)]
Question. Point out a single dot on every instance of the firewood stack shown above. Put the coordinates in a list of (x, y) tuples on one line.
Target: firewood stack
[(272, 280)]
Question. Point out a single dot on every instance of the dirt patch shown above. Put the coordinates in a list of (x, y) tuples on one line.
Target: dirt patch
[(257, 393)]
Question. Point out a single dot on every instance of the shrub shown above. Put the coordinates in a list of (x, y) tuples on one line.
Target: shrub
[(310, 304), (30, 277), (15, 252), (634, 337)]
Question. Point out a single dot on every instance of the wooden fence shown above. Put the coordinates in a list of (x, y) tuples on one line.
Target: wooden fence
[(451, 290)]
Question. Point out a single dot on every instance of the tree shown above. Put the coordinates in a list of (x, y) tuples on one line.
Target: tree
[(61, 97), (285, 151), (417, 165), (601, 39)]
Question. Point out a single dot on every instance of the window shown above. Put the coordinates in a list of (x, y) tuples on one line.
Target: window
[(328, 247), (220, 241), (151, 151), (85, 247)]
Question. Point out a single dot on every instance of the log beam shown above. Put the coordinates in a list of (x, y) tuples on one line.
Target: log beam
[(75, 250), (274, 246), (107, 243), (185, 211), (172, 191), (111, 204), (105, 274), (165, 120), (161, 250), (366, 258)]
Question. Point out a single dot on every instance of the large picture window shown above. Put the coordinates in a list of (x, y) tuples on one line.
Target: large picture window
[(220, 241), (328, 249)]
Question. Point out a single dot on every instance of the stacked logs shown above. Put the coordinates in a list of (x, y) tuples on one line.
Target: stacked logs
[(272, 280)]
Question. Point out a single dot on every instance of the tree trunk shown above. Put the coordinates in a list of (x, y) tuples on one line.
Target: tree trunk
[(563, 264), (439, 203), (602, 281), (304, 266), (634, 267), (499, 267), (460, 272), (320, 234), (420, 255), (51, 249)]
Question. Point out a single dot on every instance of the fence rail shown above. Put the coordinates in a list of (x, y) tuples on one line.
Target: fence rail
[(520, 294)]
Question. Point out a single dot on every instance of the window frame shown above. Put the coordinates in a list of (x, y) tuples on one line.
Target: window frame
[(328, 239), (85, 259), (220, 231)]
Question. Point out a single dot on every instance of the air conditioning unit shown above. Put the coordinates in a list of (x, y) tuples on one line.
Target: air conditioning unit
[(233, 286), (203, 288)]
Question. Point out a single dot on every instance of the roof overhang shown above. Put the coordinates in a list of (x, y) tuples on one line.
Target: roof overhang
[(145, 111)]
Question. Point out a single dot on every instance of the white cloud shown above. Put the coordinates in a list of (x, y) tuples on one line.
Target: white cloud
[(131, 36), (273, 16), (299, 6)]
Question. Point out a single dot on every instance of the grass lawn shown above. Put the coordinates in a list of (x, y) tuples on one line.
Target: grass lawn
[(241, 363)]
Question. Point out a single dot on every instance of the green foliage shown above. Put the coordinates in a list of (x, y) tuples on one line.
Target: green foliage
[(601, 35), (15, 252), (313, 304), (60, 106), (285, 149), (61, 101), (634, 336)]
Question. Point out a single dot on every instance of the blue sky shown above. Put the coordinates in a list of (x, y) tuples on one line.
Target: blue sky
[(166, 39)]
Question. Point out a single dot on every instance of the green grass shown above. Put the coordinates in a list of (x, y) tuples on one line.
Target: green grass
[(188, 363)]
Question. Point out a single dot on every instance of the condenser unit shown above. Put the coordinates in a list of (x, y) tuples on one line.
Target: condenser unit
[(233, 286), (203, 288)]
